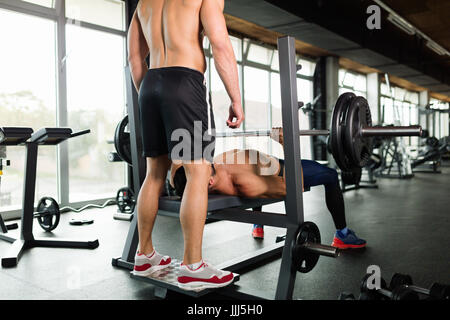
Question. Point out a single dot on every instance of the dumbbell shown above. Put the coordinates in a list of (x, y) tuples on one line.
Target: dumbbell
[(437, 291), (400, 292), (346, 296)]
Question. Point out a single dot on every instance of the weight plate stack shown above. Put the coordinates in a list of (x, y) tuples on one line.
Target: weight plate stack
[(338, 119), (352, 177), (359, 148), (122, 141)]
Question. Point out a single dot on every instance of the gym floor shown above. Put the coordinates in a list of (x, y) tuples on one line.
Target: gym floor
[(405, 223)]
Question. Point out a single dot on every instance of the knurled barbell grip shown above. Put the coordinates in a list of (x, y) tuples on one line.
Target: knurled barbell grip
[(408, 131), (266, 133)]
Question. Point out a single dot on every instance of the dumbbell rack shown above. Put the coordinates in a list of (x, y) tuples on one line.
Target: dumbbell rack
[(24, 136)]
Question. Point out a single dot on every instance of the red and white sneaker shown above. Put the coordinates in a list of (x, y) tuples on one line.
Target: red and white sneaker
[(144, 265), (203, 277)]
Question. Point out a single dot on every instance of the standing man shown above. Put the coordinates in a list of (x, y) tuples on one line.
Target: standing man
[(173, 97)]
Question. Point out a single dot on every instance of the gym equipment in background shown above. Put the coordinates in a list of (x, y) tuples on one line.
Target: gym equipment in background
[(4, 227), (10, 136), (395, 161), (429, 158), (126, 203)]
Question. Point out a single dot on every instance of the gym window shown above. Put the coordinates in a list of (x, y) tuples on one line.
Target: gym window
[(400, 107), (261, 95), (87, 92)]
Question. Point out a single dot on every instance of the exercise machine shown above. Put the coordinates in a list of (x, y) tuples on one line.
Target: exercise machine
[(4, 227), (10, 136)]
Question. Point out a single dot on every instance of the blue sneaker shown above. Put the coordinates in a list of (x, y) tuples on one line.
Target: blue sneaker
[(258, 231), (350, 241)]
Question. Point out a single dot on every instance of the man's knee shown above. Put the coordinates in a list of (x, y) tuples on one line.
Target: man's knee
[(157, 168), (198, 172)]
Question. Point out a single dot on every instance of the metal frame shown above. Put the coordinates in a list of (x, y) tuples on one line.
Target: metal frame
[(293, 202), (27, 239), (57, 14)]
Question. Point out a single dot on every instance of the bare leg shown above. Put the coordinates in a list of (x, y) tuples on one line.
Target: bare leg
[(148, 200), (193, 209)]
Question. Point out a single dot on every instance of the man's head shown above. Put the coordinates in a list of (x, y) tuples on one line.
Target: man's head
[(179, 180)]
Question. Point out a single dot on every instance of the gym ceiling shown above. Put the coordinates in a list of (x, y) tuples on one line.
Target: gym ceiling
[(338, 28)]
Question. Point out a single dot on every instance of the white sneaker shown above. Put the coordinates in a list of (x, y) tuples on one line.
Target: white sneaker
[(203, 277), (144, 265)]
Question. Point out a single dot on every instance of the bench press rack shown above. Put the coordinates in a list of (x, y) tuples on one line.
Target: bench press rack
[(233, 208), (10, 136)]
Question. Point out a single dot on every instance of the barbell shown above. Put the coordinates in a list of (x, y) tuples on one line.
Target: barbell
[(350, 136), (351, 132)]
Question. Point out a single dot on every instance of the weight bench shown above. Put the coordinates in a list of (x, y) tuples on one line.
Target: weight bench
[(25, 136), (220, 207)]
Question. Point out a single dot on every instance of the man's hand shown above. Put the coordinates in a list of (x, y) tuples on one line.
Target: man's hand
[(237, 113), (277, 135)]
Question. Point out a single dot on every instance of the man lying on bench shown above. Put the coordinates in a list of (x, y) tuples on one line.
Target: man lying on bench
[(253, 174)]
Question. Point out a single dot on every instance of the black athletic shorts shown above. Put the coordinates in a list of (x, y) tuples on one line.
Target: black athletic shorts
[(174, 115)]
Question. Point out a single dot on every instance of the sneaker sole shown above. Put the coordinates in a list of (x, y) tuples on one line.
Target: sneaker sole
[(150, 271), (200, 285), (348, 246)]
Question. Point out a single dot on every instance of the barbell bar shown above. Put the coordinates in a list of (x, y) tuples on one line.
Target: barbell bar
[(388, 131), (350, 135)]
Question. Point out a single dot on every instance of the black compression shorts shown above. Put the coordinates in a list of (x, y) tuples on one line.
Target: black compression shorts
[(174, 115)]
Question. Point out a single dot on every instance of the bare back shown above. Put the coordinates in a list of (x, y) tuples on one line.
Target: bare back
[(174, 33)]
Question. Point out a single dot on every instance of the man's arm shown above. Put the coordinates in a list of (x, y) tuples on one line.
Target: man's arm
[(137, 52), (254, 186), (215, 28)]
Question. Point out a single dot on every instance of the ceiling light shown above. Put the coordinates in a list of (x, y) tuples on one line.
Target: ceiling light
[(402, 24)]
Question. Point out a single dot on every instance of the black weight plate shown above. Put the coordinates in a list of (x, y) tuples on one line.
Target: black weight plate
[(336, 130), (371, 294), (402, 292), (399, 279), (351, 177), (357, 147), (304, 261), (440, 291), (125, 200), (122, 141), (48, 213)]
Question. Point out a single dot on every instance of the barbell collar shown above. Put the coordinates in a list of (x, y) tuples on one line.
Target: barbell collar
[(407, 131), (321, 249)]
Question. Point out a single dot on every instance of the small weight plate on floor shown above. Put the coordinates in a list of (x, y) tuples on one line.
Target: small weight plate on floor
[(304, 260), (48, 213), (79, 222)]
